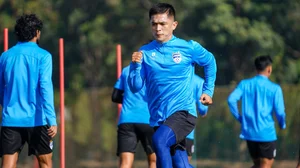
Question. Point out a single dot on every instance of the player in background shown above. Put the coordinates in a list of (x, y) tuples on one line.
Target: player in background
[(166, 67), (133, 123), (298, 166), (259, 99), (26, 96), (202, 110)]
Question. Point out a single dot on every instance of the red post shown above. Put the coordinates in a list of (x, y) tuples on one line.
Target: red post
[(119, 70), (62, 103), (5, 36)]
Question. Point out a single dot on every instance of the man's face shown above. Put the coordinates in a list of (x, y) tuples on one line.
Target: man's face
[(162, 27)]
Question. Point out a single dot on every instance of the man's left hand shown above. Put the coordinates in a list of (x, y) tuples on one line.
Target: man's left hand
[(205, 99)]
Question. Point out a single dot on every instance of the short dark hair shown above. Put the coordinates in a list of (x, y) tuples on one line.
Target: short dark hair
[(26, 27), (161, 8), (262, 62)]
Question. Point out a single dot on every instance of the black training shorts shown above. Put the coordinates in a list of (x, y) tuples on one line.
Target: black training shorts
[(262, 149), (190, 146), (182, 123), (129, 134), (13, 139)]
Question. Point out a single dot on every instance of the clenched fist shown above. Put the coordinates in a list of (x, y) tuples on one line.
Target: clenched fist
[(205, 99), (137, 57)]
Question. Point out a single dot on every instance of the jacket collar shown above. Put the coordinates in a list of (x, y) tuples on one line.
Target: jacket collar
[(27, 43), (167, 42)]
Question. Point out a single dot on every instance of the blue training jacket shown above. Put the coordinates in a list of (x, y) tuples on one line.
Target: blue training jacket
[(260, 98), (167, 70), (26, 90), (134, 106)]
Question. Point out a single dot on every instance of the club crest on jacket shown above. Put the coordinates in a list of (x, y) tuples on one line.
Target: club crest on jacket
[(176, 57)]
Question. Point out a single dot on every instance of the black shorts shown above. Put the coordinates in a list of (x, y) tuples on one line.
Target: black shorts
[(129, 134), (13, 139), (182, 123), (262, 149), (190, 146)]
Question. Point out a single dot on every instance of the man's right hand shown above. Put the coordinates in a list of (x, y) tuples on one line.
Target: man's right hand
[(137, 57), (52, 131)]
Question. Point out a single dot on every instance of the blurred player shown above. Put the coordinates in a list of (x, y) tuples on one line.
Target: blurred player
[(298, 166), (198, 84), (259, 98), (133, 124), (27, 96), (166, 67)]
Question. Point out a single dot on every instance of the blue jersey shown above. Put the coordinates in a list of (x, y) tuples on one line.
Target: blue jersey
[(260, 97), (26, 90), (167, 70), (134, 106), (202, 109)]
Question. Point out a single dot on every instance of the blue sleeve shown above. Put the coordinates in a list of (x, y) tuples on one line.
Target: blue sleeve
[(206, 59), (2, 82), (202, 109), (279, 108), (46, 89), (120, 82), (233, 99), (136, 77)]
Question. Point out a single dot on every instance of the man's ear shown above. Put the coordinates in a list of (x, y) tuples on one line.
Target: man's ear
[(174, 25), (38, 33), (269, 70)]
